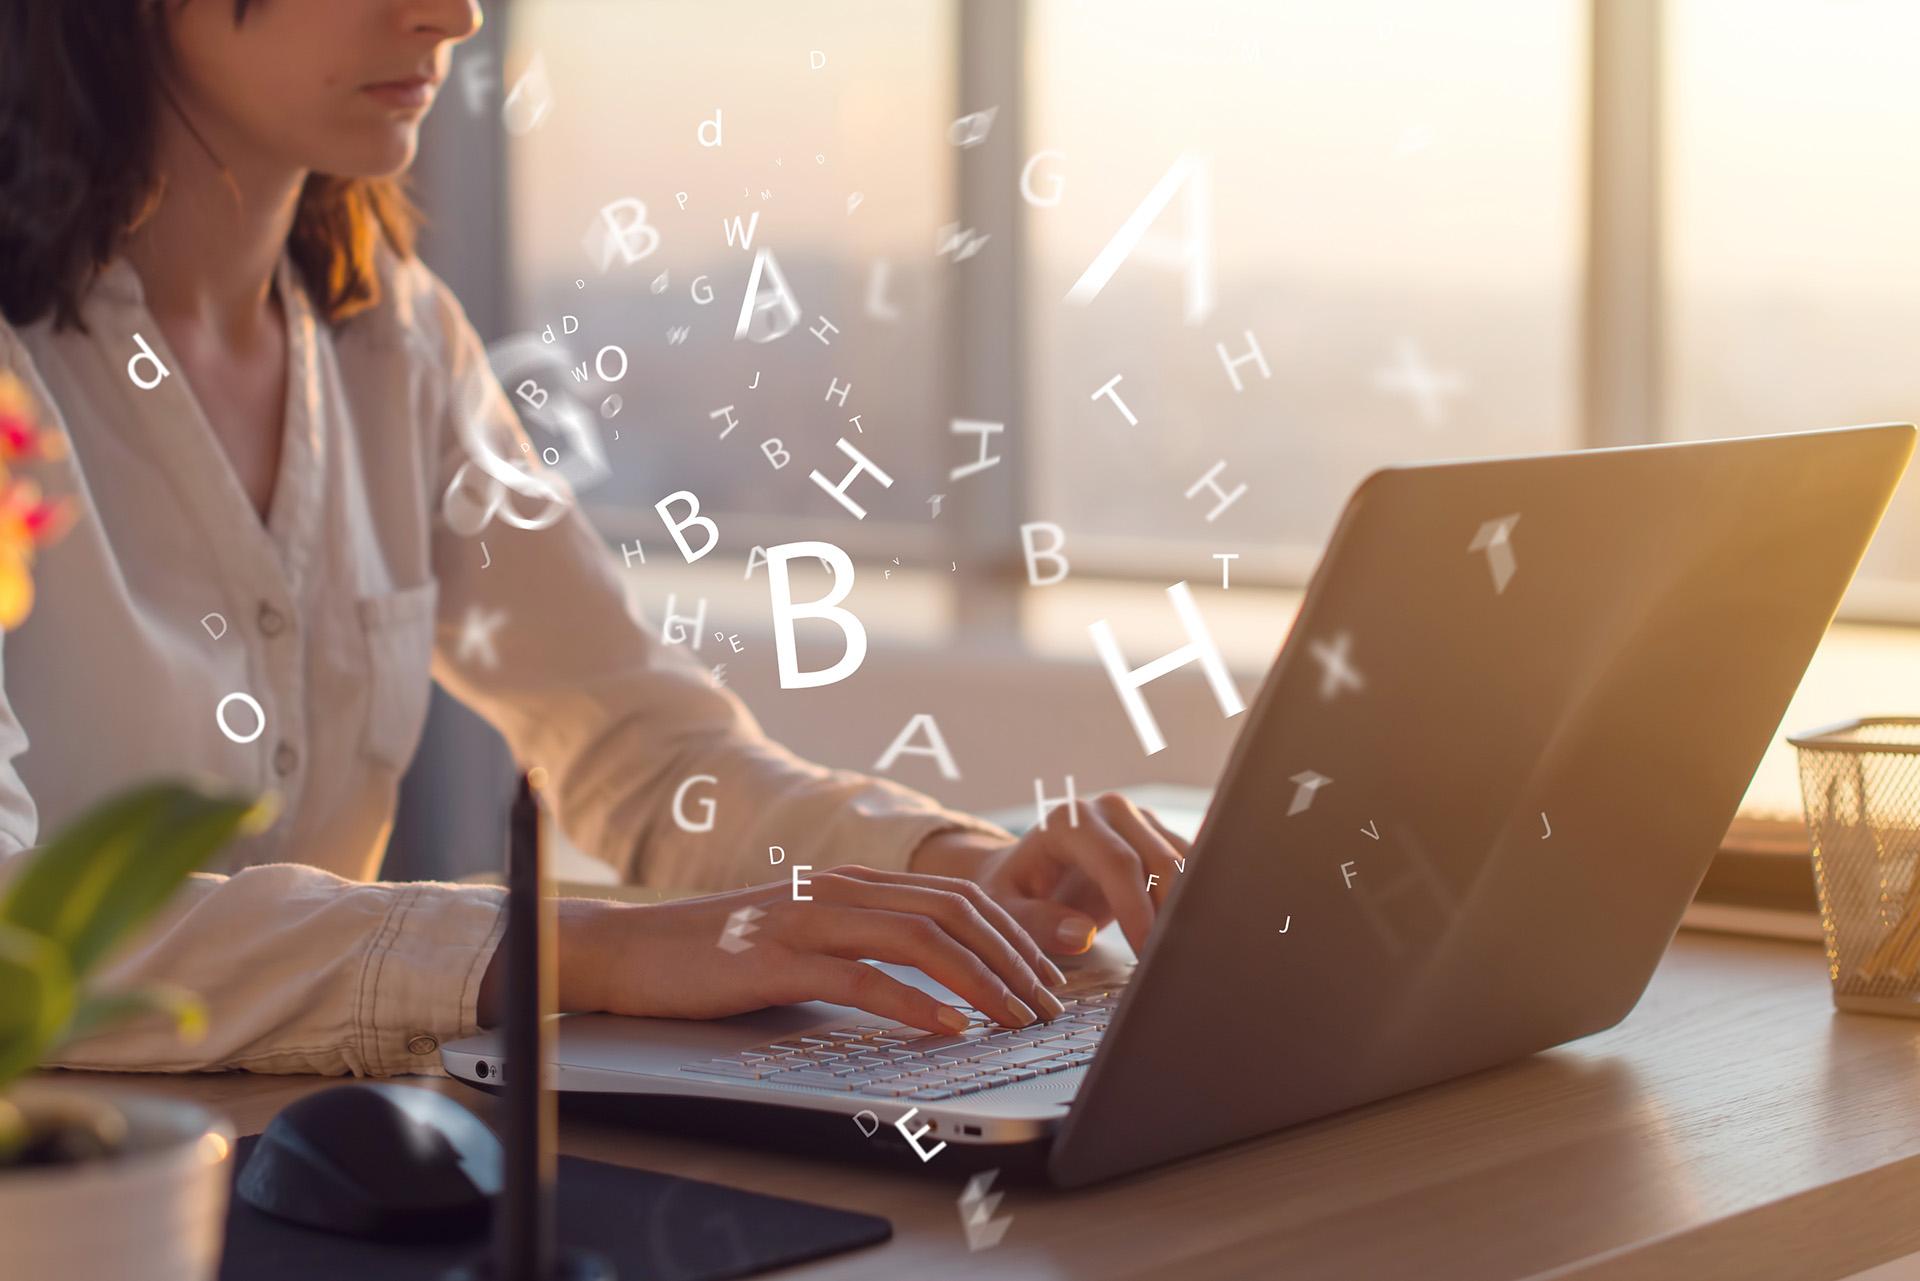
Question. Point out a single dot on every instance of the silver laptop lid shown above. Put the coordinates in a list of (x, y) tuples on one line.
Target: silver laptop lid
[(1606, 638)]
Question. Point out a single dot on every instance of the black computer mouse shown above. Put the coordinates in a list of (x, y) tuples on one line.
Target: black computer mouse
[(388, 1162)]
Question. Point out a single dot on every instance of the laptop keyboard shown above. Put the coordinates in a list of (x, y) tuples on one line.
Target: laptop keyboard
[(895, 1062)]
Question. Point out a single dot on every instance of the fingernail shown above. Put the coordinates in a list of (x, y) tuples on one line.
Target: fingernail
[(952, 1019), (1050, 1004), (1022, 1013), (1054, 977), (1075, 933)]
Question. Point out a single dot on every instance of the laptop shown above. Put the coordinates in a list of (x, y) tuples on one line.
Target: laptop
[(1533, 689)]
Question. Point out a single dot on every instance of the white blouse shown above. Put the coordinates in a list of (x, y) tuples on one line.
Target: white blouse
[(169, 596)]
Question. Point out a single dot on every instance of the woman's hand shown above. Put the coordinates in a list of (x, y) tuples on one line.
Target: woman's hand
[(1090, 864), (666, 959)]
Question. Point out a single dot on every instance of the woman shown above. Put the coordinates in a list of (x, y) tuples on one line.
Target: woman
[(260, 386)]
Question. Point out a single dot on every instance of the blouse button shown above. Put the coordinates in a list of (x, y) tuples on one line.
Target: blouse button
[(284, 759), (272, 621), (421, 1043)]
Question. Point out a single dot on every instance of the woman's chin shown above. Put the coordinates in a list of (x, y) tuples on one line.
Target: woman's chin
[(378, 153)]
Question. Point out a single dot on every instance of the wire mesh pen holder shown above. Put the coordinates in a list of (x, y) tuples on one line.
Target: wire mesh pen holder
[(1860, 781)]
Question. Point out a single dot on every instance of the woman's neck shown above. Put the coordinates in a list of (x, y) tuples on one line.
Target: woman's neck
[(207, 252)]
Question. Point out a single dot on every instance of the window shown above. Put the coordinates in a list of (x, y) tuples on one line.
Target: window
[(1396, 196), (1397, 213), (1793, 268)]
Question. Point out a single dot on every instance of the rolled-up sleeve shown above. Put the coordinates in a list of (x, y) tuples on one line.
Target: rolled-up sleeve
[(300, 970), (305, 971), (619, 719)]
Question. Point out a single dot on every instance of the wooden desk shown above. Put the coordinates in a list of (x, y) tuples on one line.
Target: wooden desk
[(1734, 1126)]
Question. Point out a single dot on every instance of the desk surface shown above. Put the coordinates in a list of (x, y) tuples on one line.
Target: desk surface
[(1733, 1126)]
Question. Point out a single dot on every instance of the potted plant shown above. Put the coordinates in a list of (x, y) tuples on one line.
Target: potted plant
[(95, 1187)]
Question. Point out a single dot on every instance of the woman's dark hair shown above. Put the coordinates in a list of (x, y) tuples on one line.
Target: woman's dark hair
[(80, 88)]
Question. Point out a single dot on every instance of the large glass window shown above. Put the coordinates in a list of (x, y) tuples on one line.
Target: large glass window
[(1392, 209), (1793, 267)]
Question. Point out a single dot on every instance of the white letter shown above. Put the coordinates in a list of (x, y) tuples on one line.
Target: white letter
[(1208, 482), (679, 816), (860, 463), (529, 101), (713, 124), (476, 85), (780, 300), (1253, 354), (816, 59), (732, 227), (759, 551), (696, 290), (972, 129), (775, 854), (1051, 553), (1107, 389), (694, 626), (693, 518), (607, 236), (1041, 800), (1193, 251), (145, 353), (969, 427), (600, 363), (936, 748), (1026, 184), (827, 607), (799, 880), (1199, 647), (834, 388)]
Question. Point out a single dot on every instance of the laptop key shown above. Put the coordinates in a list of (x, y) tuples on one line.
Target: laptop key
[(820, 1080), (1006, 1057), (740, 1071)]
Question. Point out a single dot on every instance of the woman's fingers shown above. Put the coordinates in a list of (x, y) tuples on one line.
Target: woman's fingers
[(1158, 857), (1107, 859), (812, 976), (1179, 842), (1067, 930), (937, 931), (905, 938), (990, 913)]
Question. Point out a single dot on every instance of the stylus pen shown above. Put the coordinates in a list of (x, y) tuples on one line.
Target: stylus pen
[(525, 1233)]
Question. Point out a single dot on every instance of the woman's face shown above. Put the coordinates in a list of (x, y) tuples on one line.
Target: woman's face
[(333, 86)]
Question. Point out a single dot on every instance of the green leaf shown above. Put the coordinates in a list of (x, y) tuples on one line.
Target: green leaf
[(96, 1013), (36, 998), (115, 865)]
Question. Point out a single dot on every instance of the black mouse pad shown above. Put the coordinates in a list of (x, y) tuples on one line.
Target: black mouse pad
[(651, 1227)]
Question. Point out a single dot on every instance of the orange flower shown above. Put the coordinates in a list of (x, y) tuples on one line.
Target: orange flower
[(16, 588), (19, 435), (27, 520)]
